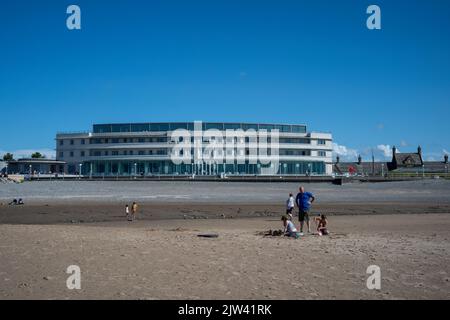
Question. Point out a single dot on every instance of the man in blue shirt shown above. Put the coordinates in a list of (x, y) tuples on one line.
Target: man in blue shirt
[(303, 201)]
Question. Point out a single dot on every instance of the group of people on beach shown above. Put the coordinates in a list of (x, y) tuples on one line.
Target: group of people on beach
[(131, 215), (303, 200)]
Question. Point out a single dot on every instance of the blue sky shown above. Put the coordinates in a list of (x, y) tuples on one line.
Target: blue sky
[(311, 62)]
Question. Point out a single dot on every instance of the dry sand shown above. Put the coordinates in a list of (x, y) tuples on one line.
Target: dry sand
[(164, 259), (403, 227)]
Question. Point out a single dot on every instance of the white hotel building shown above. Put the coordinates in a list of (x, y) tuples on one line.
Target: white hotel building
[(146, 149)]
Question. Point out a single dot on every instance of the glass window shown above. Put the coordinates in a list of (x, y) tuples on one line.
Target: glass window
[(71, 142), (180, 125), (247, 126), (321, 153), (267, 127), (61, 142), (102, 128), (71, 153), (120, 128), (210, 125), (299, 129), (82, 153), (61, 154), (139, 127), (233, 126), (159, 127), (83, 141), (321, 141)]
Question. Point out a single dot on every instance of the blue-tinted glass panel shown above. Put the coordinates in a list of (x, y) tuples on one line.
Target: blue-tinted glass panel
[(267, 127), (180, 125), (120, 127), (101, 128), (139, 127), (246, 126), (159, 127), (233, 126), (210, 125), (299, 129)]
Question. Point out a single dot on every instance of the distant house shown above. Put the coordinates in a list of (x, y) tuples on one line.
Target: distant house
[(406, 161), (410, 162)]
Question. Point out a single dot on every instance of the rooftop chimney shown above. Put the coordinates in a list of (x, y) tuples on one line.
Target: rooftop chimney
[(359, 159), (337, 159), (446, 158), (394, 150), (419, 150)]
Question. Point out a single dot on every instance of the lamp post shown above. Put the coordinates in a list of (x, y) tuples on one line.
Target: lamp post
[(79, 172), (423, 171), (382, 169), (30, 169), (135, 169)]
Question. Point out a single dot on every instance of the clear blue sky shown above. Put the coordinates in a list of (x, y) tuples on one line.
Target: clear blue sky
[(311, 62)]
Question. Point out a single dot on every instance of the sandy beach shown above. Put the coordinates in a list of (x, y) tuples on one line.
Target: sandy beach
[(160, 256)]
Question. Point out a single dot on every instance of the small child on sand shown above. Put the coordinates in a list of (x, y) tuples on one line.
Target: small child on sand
[(290, 204), (127, 212), (322, 225), (289, 228)]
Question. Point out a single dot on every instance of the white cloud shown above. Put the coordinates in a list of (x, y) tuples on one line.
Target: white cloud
[(344, 152), (403, 143), (26, 153), (386, 150)]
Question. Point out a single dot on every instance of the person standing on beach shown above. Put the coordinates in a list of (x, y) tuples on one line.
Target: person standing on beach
[(127, 212), (290, 204), (134, 208), (304, 201)]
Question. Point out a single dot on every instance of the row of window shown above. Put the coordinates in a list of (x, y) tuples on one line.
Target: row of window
[(99, 153), (165, 139), (159, 127)]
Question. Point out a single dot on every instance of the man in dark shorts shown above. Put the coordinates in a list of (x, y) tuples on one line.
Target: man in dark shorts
[(304, 201)]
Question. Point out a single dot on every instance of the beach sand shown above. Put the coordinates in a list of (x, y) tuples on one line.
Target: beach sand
[(165, 259)]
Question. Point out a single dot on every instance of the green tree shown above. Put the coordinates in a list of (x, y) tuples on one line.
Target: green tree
[(37, 155), (8, 157)]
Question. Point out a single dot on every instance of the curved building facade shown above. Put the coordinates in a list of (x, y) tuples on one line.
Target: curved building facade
[(200, 148)]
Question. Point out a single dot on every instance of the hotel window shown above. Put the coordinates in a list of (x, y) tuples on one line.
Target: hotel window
[(97, 153), (131, 152), (321, 141), (61, 154), (321, 153), (125, 153), (82, 153), (115, 153), (141, 140), (115, 140), (61, 142), (83, 141), (141, 153), (71, 142), (71, 153), (106, 153)]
